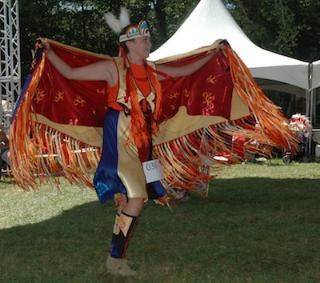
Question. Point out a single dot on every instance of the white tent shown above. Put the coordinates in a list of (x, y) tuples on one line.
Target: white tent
[(315, 101), (316, 74), (210, 21)]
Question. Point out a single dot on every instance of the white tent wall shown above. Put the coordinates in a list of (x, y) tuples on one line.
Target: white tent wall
[(266, 84), (316, 74), (211, 21), (295, 98), (315, 101), (315, 85)]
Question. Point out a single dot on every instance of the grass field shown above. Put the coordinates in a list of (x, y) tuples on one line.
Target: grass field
[(260, 223)]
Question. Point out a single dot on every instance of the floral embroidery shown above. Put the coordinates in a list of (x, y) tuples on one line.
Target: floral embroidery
[(186, 93), (59, 96), (101, 91), (173, 95), (79, 101), (212, 79), (208, 101), (39, 95)]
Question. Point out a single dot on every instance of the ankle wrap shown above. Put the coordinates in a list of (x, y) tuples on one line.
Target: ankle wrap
[(122, 232)]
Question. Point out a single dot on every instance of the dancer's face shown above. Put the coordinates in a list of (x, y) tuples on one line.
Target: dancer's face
[(140, 46)]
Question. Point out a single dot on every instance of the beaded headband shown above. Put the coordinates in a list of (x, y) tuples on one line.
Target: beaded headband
[(133, 31)]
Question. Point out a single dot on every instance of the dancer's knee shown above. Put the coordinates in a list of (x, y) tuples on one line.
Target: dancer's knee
[(134, 206)]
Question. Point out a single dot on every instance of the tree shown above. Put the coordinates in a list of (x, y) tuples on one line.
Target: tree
[(289, 27), (81, 23)]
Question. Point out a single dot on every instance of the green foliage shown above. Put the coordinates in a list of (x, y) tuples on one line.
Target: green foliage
[(290, 27), (81, 23), (76, 23)]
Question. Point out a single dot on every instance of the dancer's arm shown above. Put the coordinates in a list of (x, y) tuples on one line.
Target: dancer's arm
[(186, 69), (102, 70)]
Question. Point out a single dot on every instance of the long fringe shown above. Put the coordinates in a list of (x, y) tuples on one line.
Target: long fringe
[(190, 162), (271, 122), (38, 151)]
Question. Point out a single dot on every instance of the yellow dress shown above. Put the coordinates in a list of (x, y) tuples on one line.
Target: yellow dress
[(120, 169)]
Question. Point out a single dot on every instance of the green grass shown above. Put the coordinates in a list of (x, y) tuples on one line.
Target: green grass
[(260, 223)]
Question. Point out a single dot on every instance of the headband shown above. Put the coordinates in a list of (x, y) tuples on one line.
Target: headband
[(132, 31), (135, 31)]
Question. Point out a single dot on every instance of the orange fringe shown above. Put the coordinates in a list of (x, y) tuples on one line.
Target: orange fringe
[(272, 123), (190, 162), (22, 149), (38, 151)]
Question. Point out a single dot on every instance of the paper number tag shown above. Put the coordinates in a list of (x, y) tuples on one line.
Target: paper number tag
[(152, 170)]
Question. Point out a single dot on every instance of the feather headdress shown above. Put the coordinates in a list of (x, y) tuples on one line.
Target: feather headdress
[(118, 24), (133, 31)]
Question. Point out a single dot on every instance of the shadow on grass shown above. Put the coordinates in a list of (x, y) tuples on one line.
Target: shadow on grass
[(6, 180), (59, 249), (264, 189), (72, 247)]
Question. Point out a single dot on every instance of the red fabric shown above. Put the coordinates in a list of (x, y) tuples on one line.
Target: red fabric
[(70, 102), (207, 92), (85, 102)]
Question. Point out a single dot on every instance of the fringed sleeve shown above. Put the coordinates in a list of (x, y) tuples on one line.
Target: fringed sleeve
[(217, 116), (57, 124)]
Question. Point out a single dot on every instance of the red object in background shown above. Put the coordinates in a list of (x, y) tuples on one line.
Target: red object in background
[(238, 145)]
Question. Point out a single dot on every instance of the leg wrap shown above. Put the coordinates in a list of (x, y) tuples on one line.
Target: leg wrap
[(122, 232)]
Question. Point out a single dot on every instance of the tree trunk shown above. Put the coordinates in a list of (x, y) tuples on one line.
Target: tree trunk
[(161, 17)]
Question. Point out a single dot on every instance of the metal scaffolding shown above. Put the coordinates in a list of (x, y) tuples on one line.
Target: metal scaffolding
[(10, 70)]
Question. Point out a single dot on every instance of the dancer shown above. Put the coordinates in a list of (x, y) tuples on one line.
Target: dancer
[(182, 110), (134, 101)]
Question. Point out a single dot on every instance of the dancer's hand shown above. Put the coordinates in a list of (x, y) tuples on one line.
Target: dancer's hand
[(43, 43), (40, 46)]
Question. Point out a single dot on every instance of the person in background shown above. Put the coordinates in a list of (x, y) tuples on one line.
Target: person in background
[(4, 149)]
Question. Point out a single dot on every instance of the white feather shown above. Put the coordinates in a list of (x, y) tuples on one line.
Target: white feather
[(124, 17), (113, 23)]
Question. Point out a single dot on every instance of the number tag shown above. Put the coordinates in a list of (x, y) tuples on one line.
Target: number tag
[(152, 170)]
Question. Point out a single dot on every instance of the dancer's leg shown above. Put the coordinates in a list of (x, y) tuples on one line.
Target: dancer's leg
[(125, 223)]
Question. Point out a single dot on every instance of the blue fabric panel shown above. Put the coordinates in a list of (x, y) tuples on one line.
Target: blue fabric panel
[(106, 180), (24, 89)]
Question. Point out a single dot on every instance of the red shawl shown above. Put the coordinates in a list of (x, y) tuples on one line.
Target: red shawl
[(57, 129)]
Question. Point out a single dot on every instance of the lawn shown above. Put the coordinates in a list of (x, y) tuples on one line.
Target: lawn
[(260, 223)]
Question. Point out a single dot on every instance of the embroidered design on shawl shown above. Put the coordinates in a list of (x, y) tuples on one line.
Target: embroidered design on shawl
[(48, 139)]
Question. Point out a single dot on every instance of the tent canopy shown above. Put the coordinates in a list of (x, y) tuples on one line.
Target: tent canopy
[(210, 21)]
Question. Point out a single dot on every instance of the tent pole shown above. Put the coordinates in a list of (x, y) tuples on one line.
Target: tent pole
[(309, 105)]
